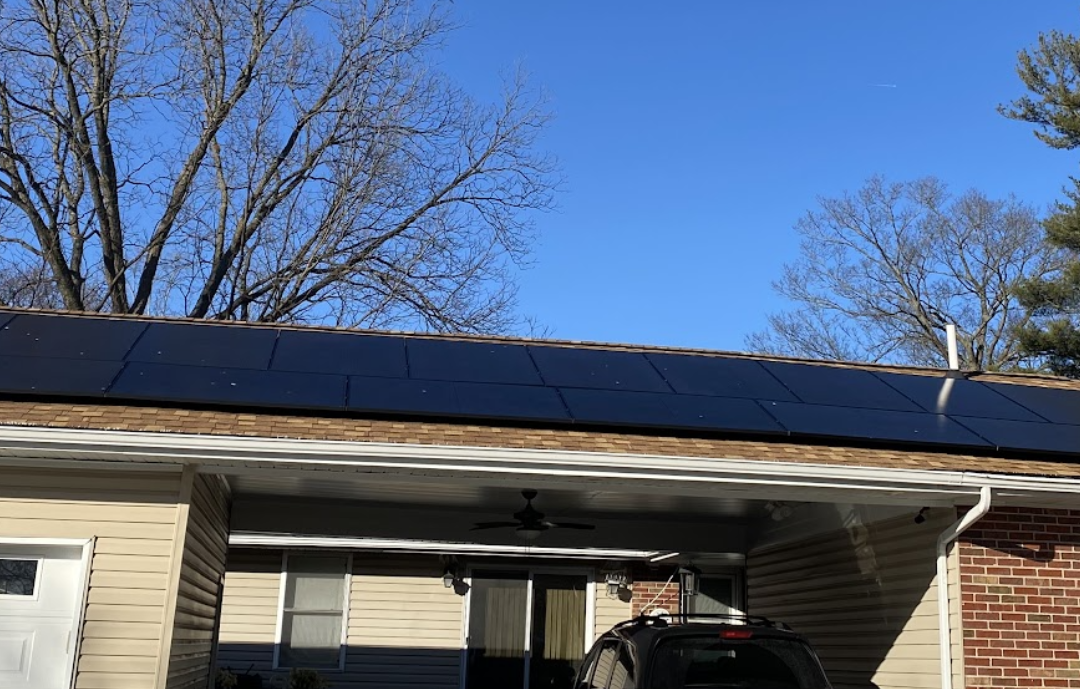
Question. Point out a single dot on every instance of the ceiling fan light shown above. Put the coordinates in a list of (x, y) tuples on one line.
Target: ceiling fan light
[(527, 534)]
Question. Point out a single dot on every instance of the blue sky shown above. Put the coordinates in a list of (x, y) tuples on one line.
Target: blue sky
[(692, 135)]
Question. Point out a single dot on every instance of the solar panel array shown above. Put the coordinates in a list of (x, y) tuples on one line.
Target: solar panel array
[(276, 368)]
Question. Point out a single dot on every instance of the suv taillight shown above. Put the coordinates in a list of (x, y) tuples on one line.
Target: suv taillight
[(736, 634)]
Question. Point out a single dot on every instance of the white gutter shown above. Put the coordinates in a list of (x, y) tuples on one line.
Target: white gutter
[(233, 454), (394, 545), (944, 540)]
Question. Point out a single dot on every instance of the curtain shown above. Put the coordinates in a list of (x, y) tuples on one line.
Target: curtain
[(504, 619), (313, 611), (564, 624)]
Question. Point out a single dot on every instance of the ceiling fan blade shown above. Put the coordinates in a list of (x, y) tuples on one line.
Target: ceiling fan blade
[(480, 526), (571, 525)]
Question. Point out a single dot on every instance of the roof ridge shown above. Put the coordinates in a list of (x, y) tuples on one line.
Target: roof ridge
[(1004, 376)]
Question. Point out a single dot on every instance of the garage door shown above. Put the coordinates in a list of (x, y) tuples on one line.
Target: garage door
[(39, 587)]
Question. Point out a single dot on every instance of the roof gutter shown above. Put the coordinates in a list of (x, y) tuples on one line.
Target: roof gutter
[(237, 454), (947, 537)]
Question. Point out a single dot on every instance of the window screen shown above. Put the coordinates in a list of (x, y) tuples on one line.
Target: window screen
[(18, 576), (313, 611)]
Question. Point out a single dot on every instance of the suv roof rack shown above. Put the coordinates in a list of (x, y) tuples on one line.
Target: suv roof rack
[(683, 617)]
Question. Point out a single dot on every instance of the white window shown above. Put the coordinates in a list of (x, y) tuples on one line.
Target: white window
[(19, 576), (314, 600)]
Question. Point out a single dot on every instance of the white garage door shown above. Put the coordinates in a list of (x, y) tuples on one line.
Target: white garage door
[(39, 587)]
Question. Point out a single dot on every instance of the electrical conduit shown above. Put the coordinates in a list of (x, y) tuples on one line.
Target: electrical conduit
[(944, 540)]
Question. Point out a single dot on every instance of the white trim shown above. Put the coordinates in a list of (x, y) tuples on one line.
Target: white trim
[(388, 545), (228, 454), (86, 546), (36, 590), (345, 605)]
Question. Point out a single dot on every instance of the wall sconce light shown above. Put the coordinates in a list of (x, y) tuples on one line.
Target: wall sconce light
[(920, 516), (450, 576), (616, 581), (688, 580)]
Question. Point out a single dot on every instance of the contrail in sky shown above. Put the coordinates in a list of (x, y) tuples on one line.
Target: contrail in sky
[(884, 86)]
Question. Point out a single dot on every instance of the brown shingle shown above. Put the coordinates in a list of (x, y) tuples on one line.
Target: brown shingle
[(268, 425)]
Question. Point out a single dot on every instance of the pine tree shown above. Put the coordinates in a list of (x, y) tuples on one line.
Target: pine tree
[(1051, 73)]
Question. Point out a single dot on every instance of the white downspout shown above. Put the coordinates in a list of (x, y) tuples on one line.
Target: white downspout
[(947, 537)]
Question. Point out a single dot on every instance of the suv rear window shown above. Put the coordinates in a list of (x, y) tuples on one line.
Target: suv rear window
[(707, 662)]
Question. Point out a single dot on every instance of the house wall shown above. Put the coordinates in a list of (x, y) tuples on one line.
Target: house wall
[(864, 595), (405, 628), (1020, 581), (134, 517), (198, 584)]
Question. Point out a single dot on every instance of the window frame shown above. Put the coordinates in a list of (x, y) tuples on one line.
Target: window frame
[(37, 577), (345, 605)]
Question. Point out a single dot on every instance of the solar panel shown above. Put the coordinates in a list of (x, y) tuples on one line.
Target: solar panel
[(841, 387), (44, 376), (225, 346), (1021, 435), (477, 362), (341, 353), (213, 385), (719, 377), (69, 337), (598, 369), (943, 395), (872, 424), (665, 410), (1059, 406), (445, 398)]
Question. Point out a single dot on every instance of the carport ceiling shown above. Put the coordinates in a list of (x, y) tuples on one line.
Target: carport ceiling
[(477, 497)]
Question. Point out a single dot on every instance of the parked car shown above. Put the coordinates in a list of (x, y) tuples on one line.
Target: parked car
[(701, 652)]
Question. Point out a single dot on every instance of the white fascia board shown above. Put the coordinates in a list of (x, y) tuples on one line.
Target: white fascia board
[(389, 545), (224, 453)]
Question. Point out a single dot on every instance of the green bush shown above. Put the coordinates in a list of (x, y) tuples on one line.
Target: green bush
[(302, 678)]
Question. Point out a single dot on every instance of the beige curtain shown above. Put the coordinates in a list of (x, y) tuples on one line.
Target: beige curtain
[(504, 621), (565, 625)]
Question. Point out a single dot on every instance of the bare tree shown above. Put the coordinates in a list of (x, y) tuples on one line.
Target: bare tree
[(883, 270), (265, 160)]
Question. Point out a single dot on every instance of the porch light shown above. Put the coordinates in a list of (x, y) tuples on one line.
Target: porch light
[(616, 581), (688, 580), (449, 577)]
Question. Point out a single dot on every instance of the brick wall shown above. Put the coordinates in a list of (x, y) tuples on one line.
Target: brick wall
[(1020, 587), (651, 589)]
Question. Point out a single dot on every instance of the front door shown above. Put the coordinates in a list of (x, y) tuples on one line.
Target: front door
[(527, 630), (39, 587)]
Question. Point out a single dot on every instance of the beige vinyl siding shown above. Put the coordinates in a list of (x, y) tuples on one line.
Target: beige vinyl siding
[(609, 612), (405, 626), (865, 596), (132, 514), (201, 572), (249, 610)]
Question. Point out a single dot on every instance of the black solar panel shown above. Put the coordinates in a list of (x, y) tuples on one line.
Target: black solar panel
[(1059, 406), (445, 398), (253, 368), (229, 386), (225, 346), (1045, 437), (719, 377), (566, 367), (957, 396), (872, 424), (477, 362), (840, 387), (342, 353), (665, 410), (56, 376), (69, 338)]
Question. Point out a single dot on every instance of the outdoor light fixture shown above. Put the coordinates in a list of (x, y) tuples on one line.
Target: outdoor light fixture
[(616, 581), (920, 516), (449, 577), (688, 580)]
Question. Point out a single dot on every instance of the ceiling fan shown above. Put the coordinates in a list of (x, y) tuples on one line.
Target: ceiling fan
[(529, 521)]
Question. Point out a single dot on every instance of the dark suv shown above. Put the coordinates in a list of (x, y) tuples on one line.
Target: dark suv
[(702, 652)]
